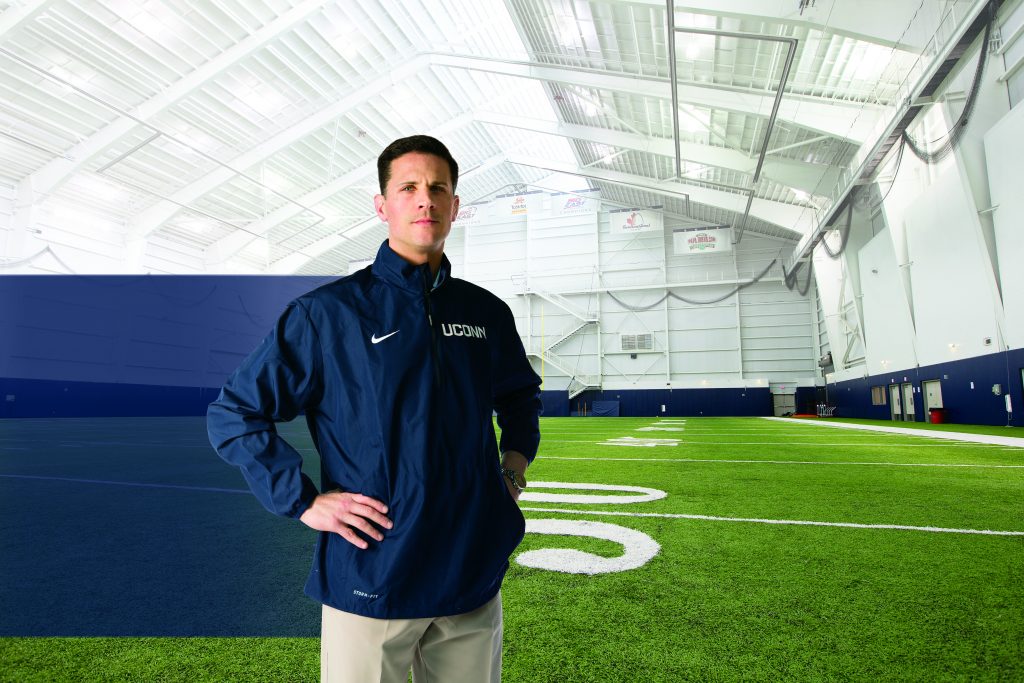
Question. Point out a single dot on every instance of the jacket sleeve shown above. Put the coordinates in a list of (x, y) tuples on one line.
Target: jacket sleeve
[(278, 380), (516, 392)]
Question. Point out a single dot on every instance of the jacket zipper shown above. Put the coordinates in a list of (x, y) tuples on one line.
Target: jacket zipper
[(435, 350)]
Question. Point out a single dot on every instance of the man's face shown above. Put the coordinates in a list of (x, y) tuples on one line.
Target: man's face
[(418, 205)]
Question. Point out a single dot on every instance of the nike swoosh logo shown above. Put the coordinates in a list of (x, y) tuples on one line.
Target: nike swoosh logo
[(377, 340)]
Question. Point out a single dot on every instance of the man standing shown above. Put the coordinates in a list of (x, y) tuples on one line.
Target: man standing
[(397, 368)]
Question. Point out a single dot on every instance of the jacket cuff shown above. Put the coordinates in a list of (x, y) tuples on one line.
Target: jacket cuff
[(306, 498)]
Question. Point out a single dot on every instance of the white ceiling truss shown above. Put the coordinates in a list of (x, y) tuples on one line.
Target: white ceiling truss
[(246, 131)]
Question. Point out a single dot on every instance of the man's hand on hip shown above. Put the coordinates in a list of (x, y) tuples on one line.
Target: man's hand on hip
[(342, 512)]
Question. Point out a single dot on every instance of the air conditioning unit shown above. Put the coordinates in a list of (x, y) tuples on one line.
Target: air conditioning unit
[(825, 361)]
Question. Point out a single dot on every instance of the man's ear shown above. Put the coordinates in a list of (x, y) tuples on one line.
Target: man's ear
[(381, 207), (455, 207)]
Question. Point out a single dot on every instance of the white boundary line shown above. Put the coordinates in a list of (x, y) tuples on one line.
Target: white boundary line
[(874, 444), (796, 522), (781, 462), (950, 436)]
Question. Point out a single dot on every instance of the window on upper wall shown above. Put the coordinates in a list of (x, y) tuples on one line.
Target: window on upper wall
[(878, 396)]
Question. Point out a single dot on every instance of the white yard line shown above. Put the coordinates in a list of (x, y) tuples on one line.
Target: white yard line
[(781, 462), (795, 522), (874, 444), (949, 436)]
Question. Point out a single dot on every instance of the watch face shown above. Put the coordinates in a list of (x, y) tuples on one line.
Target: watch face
[(517, 479)]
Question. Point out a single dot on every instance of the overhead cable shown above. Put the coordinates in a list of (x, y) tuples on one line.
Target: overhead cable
[(670, 293), (959, 128)]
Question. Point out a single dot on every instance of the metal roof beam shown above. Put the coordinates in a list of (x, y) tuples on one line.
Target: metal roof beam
[(852, 121), (228, 246), (810, 178), (151, 219), (948, 53), (798, 219), (881, 22), (17, 16), (57, 171), (837, 119), (295, 261)]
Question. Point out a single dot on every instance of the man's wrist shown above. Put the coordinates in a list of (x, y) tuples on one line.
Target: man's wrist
[(514, 477), (515, 460)]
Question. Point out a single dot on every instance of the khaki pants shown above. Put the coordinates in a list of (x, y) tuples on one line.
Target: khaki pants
[(464, 648)]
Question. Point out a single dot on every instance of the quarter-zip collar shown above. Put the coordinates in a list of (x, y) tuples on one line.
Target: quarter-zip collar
[(395, 270)]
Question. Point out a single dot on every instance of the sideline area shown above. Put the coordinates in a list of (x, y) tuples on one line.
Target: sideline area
[(1011, 441)]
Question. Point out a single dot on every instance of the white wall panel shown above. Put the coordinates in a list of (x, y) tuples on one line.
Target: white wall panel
[(888, 329), (495, 252), (455, 250), (953, 288), (7, 195), (598, 271), (1004, 147)]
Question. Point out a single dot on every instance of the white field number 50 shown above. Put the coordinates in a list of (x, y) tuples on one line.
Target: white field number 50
[(638, 547)]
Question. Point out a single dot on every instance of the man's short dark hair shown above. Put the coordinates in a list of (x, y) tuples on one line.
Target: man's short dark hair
[(424, 144)]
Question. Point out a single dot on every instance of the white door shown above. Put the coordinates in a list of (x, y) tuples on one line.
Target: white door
[(785, 404), (932, 395), (908, 403), (894, 402)]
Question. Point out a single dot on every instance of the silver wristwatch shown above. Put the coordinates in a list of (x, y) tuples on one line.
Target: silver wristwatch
[(518, 480)]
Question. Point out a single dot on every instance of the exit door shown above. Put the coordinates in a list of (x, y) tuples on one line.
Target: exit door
[(908, 403), (932, 395), (784, 404), (895, 405)]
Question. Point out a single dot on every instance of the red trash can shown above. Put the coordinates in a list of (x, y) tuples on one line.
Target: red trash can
[(937, 416)]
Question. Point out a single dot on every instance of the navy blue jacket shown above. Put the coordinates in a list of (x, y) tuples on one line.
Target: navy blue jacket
[(397, 374)]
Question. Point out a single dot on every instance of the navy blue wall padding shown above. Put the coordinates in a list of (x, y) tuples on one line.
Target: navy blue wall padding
[(963, 404), (606, 409), (51, 398), (807, 400), (681, 402), (111, 345), (556, 403), (103, 345)]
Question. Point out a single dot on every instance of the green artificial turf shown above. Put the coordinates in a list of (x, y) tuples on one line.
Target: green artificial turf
[(724, 599)]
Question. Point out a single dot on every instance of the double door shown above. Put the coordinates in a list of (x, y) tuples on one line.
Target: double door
[(901, 402)]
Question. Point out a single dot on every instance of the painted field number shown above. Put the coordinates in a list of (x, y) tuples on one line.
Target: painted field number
[(638, 547)]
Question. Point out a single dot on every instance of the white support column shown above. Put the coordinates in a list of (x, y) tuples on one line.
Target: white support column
[(739, 317), (134, 253), (22, 224), (668, 344), (599, 326), (812, 301)]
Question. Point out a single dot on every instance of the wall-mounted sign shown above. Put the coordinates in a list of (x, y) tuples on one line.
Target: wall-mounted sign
[(516, 205), (636, 220), (573, 204), (469, 214), (703, 241)]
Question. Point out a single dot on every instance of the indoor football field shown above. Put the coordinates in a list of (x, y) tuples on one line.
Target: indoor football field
[(671, 549)]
